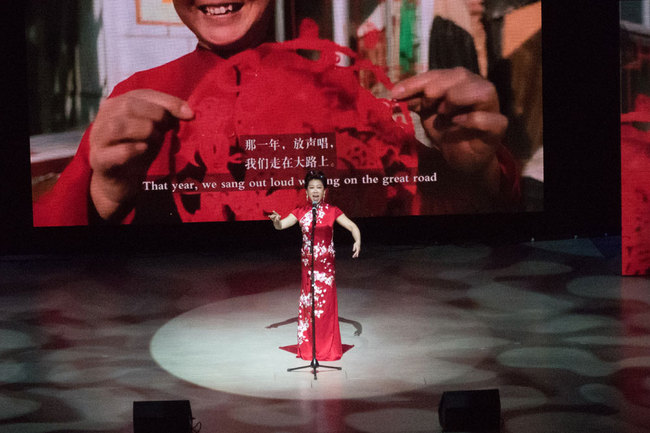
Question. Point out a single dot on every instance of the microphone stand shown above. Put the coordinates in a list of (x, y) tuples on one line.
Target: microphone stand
[(314, 362)]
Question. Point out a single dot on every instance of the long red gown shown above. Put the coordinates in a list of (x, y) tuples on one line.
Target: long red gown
[(328, 335)]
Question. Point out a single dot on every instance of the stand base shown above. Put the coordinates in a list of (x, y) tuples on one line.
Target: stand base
[(313, 365)]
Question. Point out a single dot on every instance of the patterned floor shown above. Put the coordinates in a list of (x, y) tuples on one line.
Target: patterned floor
[(551, 325)]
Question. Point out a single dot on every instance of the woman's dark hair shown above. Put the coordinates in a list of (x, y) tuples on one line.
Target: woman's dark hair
[(315, 175)]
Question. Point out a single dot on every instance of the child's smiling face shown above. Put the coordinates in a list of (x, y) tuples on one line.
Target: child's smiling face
[(225, 25)]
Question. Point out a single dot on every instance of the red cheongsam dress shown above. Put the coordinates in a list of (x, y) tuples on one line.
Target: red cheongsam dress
[(328, 336)]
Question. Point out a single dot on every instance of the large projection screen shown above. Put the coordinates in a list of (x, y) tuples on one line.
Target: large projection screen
[(315, 96)]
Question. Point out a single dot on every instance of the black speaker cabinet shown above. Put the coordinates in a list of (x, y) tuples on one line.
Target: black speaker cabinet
[(169, 416), (476, 411)]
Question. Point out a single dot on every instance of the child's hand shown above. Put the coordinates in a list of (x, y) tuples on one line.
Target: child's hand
[(460, 113), (124, 140)]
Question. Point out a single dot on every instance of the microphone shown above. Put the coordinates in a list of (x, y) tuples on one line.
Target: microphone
[(314, 204)]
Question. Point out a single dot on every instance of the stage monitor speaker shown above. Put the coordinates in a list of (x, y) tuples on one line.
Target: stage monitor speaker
[(474, 411), (168, 416)]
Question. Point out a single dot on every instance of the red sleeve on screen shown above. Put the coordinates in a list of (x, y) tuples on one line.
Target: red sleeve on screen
[(635, 189), (67, 203)]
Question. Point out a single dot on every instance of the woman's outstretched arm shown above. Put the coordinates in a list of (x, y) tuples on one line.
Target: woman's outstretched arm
[(282, 223), (356, 234)]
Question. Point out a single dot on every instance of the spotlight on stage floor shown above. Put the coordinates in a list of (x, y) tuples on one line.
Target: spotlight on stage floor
[(169, 416), (470, 411)]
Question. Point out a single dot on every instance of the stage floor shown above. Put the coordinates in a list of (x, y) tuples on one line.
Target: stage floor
[(551, 325)]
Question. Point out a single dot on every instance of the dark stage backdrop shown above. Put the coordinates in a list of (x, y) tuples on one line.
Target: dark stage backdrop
[(579, 194)]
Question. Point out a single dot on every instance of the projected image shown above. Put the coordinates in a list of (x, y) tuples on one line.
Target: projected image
[(413, 107), (635, 137)]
